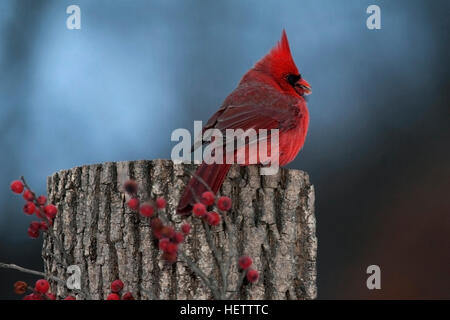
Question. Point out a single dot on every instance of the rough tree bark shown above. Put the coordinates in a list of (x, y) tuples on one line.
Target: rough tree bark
[(273, 215)]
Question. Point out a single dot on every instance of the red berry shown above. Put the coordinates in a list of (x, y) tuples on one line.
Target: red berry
[(245, 262), (168, 232), (113, 296), (51, 211), (156, 224), (133, 203), (224, 203), (252, 275), (171, 248), (42, 200), (178, 237), (161, 203), (20, 287), (146, 210), (70, 298), (116, 286), (33, 296), (43, 226), (50, 296), (157, 233), (17, 186), (29, 208), (28, 195), (128, 296), (163, 244), (33, 233), (199, 209), (42, 286), (208, 198), (213, 218), (35, 225), (186, 228), (131, 186)]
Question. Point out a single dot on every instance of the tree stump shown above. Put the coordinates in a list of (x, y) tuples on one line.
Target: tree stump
[(273, 217)]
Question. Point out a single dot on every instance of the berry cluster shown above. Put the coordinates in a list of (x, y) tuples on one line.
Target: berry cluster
[(39, 292), (116, 292), (42, 287), (168, 238), (35, 205), (245, 263), (208, 199)]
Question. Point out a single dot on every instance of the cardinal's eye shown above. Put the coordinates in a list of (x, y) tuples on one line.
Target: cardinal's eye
[(293, 78)]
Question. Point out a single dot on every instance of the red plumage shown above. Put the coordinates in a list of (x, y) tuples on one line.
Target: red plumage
[(269, 96)]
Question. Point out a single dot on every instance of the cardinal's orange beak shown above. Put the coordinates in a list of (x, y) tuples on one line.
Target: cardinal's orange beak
[(302, 83)]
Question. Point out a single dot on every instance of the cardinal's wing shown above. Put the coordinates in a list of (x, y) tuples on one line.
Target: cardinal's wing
[(255, 106)]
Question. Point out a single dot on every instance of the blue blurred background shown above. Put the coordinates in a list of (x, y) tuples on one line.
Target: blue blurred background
[(377, 150)]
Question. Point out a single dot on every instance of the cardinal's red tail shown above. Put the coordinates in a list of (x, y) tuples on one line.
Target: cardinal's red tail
[(211, 174)]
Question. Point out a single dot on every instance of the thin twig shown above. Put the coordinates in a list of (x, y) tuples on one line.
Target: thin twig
[(191, 264), (238, 285), (30, 271), (231, 249), (42, 274), (217, 257), (27, 187)]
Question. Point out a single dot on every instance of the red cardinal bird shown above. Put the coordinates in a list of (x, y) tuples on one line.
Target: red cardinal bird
[(269, 96)]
